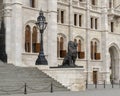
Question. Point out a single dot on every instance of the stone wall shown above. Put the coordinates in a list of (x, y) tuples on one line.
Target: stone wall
[(72, 78)]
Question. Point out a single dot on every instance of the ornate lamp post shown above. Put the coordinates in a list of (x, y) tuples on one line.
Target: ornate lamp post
[(41, 23)]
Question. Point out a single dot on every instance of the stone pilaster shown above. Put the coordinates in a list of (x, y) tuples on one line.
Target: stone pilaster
[(104, 40), (71, 14), (7, 13), (17, 32), (52, 32), (107, 67), (87, 39)]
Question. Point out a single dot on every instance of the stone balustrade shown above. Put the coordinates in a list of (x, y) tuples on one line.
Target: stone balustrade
[(117, 12), (114, 12), (82, 4), (95, 8), (75, 3), (63, 1)]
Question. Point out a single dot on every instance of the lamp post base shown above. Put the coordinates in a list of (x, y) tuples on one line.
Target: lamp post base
[(41, 60)]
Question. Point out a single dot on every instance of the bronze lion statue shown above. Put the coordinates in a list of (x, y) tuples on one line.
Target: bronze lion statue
[(70, 58)]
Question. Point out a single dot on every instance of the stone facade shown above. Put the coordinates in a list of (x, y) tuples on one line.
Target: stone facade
[(99, 26)]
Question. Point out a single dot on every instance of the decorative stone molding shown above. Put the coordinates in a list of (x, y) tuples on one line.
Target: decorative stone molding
[(64, 1), (7, 4), (7, 9), (110, 17), (7, 12)]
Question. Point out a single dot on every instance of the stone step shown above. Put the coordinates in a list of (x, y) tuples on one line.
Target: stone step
[(13, 78)]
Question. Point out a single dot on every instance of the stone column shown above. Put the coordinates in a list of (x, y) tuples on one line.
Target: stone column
[(17, 32), (116, 60), (52, 32), (7, 21), (71, 16), (107, 77), (104, 41), (87, 25)]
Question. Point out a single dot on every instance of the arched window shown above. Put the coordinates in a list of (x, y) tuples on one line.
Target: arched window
[(34, 40), (75, 40), (27, 39), (32, 3), (94, 50), (61, 52), (80, 47), (31, 39), (61, 43), (95, 47), (58, 47), (93, 2)]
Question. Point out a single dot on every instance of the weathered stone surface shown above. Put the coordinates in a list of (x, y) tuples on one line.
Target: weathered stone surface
[(14, 78), (72, 78)]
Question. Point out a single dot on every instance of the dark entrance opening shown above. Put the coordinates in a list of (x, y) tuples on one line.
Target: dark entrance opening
[(95, 77)]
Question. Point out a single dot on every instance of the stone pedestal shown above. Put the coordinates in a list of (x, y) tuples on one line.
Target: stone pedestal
[(72, 78)]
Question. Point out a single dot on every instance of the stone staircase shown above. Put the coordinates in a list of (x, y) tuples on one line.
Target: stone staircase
[(17, 80)]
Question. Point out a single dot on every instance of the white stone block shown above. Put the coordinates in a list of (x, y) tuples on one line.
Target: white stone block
[(72, 78)]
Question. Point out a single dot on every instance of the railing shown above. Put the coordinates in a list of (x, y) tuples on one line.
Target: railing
[(102, 85), (63, 1), (79, 4), (25, 89), (84, 4)]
